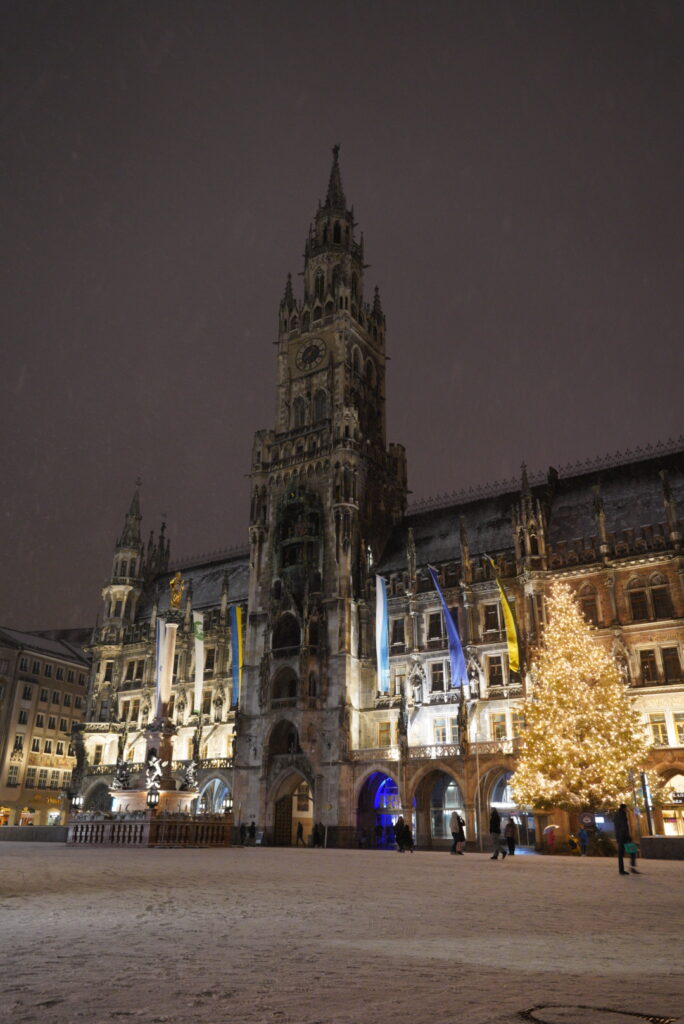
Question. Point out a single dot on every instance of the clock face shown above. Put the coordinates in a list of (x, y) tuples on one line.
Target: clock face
[(311, 354)]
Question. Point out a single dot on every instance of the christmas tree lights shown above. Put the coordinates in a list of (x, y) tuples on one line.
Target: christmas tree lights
[(583, 737)]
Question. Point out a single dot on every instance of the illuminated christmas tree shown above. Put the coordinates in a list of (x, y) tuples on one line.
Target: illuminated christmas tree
[(582, 736)]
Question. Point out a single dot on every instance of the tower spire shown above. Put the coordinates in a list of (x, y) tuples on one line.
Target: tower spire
[(335, 199), (130, 536)]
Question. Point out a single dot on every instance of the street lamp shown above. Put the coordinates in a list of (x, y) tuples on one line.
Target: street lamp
[(77, 801), (152, 798), (227, 804)]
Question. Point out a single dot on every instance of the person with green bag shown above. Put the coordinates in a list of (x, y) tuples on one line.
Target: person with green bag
[(624, 842)]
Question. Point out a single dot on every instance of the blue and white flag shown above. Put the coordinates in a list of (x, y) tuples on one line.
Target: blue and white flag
[(459, 673), (161, 636), (382, 634)]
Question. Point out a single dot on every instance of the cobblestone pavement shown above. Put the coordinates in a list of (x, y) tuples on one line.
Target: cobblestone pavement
[(335, 937)]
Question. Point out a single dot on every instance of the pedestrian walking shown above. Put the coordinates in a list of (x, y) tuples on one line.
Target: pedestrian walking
[(379, 831), (243, 833), (624, 841), (583, 837), (460, 835), (399, 837), (510, 835), (453, 827), (251, 832), (408, 838), (300, 834), (495, 833)]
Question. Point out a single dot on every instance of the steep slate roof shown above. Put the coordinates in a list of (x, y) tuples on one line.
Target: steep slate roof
[(207, 584), (632, 495), (34, 642)]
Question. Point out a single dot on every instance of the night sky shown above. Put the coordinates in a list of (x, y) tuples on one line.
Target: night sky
[(516, 169)]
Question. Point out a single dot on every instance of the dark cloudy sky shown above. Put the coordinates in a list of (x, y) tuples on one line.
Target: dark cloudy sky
[(516, 169)]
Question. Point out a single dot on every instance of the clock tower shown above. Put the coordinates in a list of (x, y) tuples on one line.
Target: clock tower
[(326, 490)]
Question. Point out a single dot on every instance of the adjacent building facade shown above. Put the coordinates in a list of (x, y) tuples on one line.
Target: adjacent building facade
[(43, 690), (309, 737)]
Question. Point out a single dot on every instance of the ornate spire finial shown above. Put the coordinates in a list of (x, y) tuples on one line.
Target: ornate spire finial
[(335, 198), (288, 297), (377, 305)]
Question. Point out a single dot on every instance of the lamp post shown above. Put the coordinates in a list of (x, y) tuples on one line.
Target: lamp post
[(77, 802), (227, 804), (152, 799)]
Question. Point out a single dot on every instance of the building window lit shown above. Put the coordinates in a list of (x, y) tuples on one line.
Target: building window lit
[(30, 781), (453, 729), (209, 660), (439, 730), (54, 780), (679, 727), (42, 778), (589, 605), (517, 723), (658, 729), (19, 741), (35, 745), (99, 749), (13, 775), (398, 636), (48, 746), (400, 681), (384, 734), (206, 703), (498, 726), (435, 630)]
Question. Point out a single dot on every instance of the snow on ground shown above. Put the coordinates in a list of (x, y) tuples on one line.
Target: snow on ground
[(333, 937)]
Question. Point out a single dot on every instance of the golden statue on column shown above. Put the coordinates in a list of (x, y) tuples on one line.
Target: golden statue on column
[(176, 586)]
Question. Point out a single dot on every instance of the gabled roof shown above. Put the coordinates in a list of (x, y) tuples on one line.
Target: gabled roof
[(64, 649)]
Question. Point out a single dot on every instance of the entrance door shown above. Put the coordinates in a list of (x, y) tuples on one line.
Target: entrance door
[(282, 823)]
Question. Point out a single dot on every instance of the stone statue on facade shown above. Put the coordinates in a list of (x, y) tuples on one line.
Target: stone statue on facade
[(176, 586)]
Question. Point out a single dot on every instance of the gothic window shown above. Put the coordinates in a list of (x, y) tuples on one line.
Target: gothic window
[(662, 606), (109, 669), (306, 321), (209, 662), (320, 405), (638, 605), (329, 307), (649, 666), (299, 413), (398, 637), (285, 685), (437, 677), (325, 233), (317, 313), (124, 568), (286, 634), (498, 726), (589, 604), (658, 728), (491, 618), (313, 633), (337, 232), (356, 360), (435, 629), (534, 544), (672, 669), (496, 677), (319, 288)]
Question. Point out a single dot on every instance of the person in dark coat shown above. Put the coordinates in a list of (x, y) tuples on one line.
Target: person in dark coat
[(495, 833), (243, 833), (300, 834), (509, 833), (408, 837), (622, 836), (399, 836), (460, 835), (251, 832)]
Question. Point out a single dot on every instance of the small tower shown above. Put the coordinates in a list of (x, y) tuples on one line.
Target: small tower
[(123, 589), (529, 528)]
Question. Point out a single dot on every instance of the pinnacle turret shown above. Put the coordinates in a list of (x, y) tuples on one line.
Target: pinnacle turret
[(130, 536)]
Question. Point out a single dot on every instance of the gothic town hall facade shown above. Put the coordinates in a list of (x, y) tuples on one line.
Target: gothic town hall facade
[(310, 738)]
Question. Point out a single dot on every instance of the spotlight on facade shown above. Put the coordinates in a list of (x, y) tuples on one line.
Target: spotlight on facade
[(152, 798), (77, 801)]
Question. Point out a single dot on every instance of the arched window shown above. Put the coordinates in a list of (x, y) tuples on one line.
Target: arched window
[(299, 413), (337, 232), (320, 286), (534, 544), (317, 313), (285, 686), (320, 406), (589, 604), (286, 635)]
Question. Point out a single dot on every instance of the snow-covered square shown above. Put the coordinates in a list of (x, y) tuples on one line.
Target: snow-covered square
[(304, 936)]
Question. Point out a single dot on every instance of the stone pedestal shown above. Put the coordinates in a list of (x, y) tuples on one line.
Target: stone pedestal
[(171, 801)]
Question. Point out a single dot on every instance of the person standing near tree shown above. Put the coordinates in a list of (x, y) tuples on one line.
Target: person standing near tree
[(510, 835), (622, 838), (495, 833), (583, 840)]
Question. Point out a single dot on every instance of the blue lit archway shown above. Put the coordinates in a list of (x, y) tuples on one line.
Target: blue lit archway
[(378, 809)]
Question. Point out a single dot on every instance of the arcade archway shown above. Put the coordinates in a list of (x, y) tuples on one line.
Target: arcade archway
[(293, 806), (379, 808), (438, 795), (500, 795), (98, 799), (213, 795)]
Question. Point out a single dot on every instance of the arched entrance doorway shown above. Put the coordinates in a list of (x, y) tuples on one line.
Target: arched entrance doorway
[(293, 807), (212, 796), (438, 795), (501, 797), (378, 809)]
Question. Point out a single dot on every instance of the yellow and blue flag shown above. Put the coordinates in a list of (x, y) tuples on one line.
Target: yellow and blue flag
[(509, 621)]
